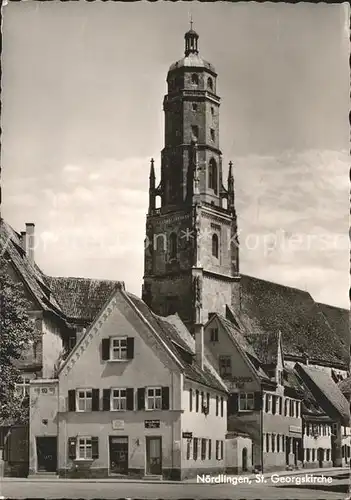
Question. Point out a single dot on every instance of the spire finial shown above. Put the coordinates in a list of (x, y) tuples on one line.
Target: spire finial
[(191, 21), (191, 40)]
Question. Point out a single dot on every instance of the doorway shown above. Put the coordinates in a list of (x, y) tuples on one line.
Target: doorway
[(118, 455), (47, 453), (244, 460), (153, 455), (320, 457)]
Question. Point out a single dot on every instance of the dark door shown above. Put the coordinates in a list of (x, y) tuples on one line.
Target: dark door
[(153, 455), (287, 450), (320, 457), (118, 455), (244, 459), (47, 454)]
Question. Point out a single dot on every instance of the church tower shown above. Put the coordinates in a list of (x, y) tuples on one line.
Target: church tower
[(191, 245)]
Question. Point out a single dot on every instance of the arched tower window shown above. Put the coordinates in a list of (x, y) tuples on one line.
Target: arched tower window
[(173, 245), (215, 245), (210, 83), (213, 176), (195, 79)]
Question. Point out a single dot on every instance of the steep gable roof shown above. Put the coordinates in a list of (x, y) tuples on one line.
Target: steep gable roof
[(345, 386), (31, 274), (310, 404), (318, 379), (269, 307), (81, 299), (339, 321)]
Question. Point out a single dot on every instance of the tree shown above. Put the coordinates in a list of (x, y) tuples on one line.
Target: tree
[(16, 332)]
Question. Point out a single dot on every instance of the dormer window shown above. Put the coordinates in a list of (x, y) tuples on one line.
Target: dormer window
[(195, 79)]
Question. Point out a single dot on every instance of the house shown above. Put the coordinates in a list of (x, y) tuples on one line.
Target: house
[(60, 308), (345, 387), (259, 404), (136, 396), (335, 405)]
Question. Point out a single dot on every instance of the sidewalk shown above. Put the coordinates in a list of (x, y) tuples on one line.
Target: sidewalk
[(55, 479)]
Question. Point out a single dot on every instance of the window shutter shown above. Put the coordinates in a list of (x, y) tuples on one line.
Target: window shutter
[(106, 398), (95, 447), (72, 400), (141, 398), (165, 398), (105, 349), (130, 399), (95, 400), (233, 403), (130, 347), (258, 401), (72, 442)]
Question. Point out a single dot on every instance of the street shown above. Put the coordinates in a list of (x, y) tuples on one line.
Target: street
[(74, 489)]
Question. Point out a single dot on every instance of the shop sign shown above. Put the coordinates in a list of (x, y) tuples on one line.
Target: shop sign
[(187, 435), (295, 429), (152, 424)]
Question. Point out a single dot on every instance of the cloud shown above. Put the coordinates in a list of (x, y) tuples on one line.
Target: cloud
[(292, 209)]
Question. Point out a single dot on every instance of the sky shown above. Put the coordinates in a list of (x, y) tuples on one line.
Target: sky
[(83, 85)]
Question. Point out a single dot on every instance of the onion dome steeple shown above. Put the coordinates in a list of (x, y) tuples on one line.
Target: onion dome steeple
[(191, 41)]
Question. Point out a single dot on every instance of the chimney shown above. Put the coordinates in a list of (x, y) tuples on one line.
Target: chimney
[(24, 241), (30, 241), (199, 345)]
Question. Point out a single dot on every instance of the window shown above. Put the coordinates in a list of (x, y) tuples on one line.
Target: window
[(215, 246), (222, 449), (209, 83), (292, 413), (190, 400), (203, 449), (225, 366), (197, 400), (202, 401), (208, 402), (217, 449), (246, 401), (195, 132), (214, 334), (297, 409), (222, 404), (118, 399), (118, 348), (154, 398), (278, 443), (188, 449), (173, 246), (212, 134), (209, 449), (212, 110), (195, 448), (286, 407), (313, 454), (84, 397), (194, 79), (194, 106), (217, 405), (283, 443), (280, 405), (213, 175), (328, 455), (267, 442), (84, 448), (22, 388), (308, 457), (268, 403)]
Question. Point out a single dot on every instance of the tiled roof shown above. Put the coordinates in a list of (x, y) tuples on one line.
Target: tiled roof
[(270, 307), (339, 321), (169, 330), (310, 404), (81, 298), (265, 346), (33, 277), (318, 378), (345, 386)]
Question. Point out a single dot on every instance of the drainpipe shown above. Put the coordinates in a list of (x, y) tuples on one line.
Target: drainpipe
[(261, 433)]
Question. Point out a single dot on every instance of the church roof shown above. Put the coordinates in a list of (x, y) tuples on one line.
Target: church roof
[(345, 386), (268, 307), (339, 321), (192, 61)]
